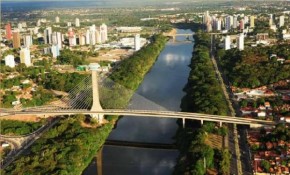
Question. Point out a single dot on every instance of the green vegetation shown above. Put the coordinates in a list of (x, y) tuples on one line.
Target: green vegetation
[(39, 97), (62, 81), (13, 127), (253, 67), (203, 95), (196, 156), (130, 73), (203, 91), (67, 148), (74, 58)]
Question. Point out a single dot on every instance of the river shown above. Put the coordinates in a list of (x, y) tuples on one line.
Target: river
[(162, 89)]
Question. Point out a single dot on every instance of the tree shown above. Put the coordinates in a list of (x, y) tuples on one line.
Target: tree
[(266, 165), (225, 163)]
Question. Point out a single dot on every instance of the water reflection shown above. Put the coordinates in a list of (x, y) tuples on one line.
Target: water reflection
[(153, 161), (161, 88)]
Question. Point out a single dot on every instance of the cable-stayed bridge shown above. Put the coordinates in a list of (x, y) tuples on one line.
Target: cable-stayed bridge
[(99, 97)]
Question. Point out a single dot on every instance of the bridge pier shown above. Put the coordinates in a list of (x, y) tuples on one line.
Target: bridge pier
[(96, 102), (201, 122), (183, 122), (221, 124)]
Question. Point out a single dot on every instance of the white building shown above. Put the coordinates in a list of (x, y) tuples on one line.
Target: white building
[(227, 42), (9, 61), (218, 25), (57, 19), (240, 41), (129, 29), (47, 35), (98, 36), (252, 21), (35, 30), (92, 35), (56, 38), (270, 20), (72, 40), (235, 22), (104, 33), (137, 42), (38, 23), (82, 40), (281, 21), (87, 37), (19, 26), (25, 56), (68, 24), (28, 40), (286, 36), (77, 22), (55, 51)]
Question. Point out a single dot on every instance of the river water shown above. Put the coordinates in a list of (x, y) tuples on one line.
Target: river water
[(161, 89)]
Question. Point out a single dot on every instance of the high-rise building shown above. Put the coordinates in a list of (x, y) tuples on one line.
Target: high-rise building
[(82, 40), (19, 26), (87, 37), (206, 18), (8, 31), (137, 42), (252, 21), (218, 24), (35, 30), (98, 36), (208, 27), (38, 23), (16, 39), (227, 42), (270, 20), (57, 39), (55, 51), (77, 22), (92, 35), (47, 35), (25, 56), (242, 24), (9, 61), (104, 33), (235, 22), (246, 19), (240, 41), (281, 21), (72, 40), (228, 23), (28, 41), (57, 19)]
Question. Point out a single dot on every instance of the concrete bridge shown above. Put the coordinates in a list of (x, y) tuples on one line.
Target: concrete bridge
[(147, 113), (98, 112)]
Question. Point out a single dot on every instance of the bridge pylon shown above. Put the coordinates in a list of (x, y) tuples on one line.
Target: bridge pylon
[(96, 100)]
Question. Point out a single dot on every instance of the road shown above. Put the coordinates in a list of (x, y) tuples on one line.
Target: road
[(233, 145), (26, 142)]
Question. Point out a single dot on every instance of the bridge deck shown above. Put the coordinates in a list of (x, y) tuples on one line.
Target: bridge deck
[(147, 113)]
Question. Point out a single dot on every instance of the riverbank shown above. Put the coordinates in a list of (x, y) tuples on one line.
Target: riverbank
[(68, 148), (203, 95)]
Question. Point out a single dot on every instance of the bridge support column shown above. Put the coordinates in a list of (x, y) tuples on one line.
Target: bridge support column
[(201, 122), (96, 101), (221, 124), (183, 122)]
